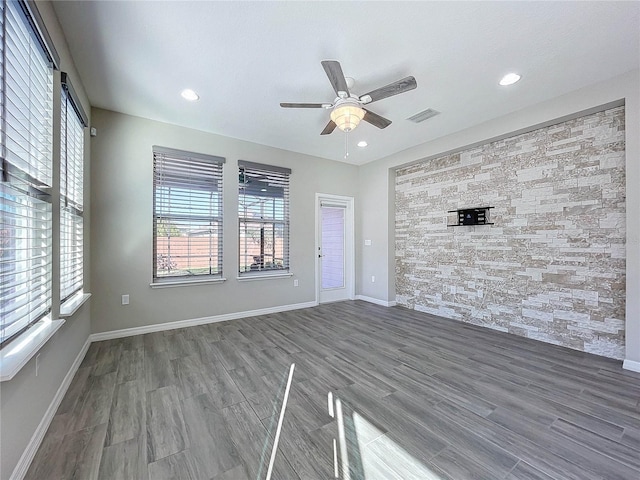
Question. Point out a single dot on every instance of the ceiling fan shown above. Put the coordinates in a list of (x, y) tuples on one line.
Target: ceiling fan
[(346, 109)]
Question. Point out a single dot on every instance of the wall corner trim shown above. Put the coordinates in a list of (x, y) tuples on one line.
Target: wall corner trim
[(631, 365), (377, 301), (160, 327), (36, 439)]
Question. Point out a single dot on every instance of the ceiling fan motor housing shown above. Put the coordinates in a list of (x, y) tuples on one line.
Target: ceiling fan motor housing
[(347, 113)]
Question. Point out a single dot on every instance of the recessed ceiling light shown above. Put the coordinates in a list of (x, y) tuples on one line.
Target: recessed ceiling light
[(190, 95), (362, 144), (510, 79)]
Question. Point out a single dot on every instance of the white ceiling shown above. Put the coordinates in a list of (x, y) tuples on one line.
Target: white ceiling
[(244, 58)]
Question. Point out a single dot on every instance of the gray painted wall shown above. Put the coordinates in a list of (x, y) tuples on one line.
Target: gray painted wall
[(552, 265), (376, 195), (25, 398), (121, 200)]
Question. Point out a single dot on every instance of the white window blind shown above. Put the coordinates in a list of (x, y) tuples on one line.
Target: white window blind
[(187, 214), (72, 124), (263, 211), (26, 131)]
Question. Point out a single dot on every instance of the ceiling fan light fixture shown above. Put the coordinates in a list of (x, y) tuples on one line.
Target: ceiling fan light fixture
[(347, 116)]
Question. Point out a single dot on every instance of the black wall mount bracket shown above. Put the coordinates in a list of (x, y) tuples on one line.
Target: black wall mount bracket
[(472, 216)]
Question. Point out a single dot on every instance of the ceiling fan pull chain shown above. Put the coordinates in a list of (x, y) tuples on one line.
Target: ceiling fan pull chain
[(346, 144)]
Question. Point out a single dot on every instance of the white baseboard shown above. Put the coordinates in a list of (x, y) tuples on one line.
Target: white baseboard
[(631, 365), (36, 439), (160, 327), (377, 301)]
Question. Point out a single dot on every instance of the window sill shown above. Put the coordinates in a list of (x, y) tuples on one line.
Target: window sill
[(16, 354), (182, 283), (70, 307), (263, 276)]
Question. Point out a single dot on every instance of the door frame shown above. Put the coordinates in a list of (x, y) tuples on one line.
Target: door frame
[(349, 243)]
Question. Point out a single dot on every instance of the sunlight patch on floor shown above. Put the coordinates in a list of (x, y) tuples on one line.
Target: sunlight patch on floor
[(383, 458), (364, 452)]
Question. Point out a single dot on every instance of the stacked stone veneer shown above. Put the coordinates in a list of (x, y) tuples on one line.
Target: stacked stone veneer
[(552, 267)]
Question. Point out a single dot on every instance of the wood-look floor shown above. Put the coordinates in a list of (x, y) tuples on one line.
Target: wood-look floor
[(412, 396)]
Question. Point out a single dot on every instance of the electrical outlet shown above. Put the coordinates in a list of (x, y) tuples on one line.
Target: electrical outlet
[(296, 283), (125, 299), (373, 279), (37, 364), (367, 243)]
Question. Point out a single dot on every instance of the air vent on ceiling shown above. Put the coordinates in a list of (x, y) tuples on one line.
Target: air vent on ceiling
[(424, 115)]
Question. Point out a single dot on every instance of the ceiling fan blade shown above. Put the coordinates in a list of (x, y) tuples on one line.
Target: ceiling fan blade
[(302, 105), (331, 126), (401, 86), (334, 71), (375, 119)]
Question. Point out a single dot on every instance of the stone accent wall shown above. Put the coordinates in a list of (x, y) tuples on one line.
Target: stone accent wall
[(552, 267)]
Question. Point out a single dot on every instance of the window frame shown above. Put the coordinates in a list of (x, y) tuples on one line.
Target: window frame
[(28, 56), (273, 179), (198, 164), (70, 203)]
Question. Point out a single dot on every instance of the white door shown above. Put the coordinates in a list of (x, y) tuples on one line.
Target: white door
[(335, 248)]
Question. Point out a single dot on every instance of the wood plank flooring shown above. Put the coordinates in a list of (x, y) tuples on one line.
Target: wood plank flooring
[(377, 393)]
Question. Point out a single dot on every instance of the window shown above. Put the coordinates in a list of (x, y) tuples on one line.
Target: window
[(73, 121), (187, 215), (263, 211), (26, 118)]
